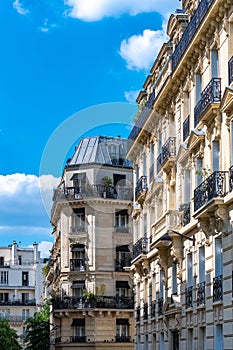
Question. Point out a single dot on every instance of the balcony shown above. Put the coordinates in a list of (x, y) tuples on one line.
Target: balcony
[(231, 178), (211, 94), (93, 191), (15, 319), (79, 228), (168, 151), (122, 339), (189, 297), (78, 339), (190, 30), (18, 302), (98, 302), (141, 187), (145, 311), (186, 128), (160, 306), (121, 229), (213, 187), (77, 265), (201, 293), (217, 288), (230, 70), (140, 247)]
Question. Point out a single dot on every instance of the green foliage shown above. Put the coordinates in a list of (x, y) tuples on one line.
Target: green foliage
[(108, 181), (38, 330), (8, 337)]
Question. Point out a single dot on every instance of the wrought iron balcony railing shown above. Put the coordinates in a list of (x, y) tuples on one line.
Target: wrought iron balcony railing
[(160, 306), (168, 150), (214, 186), (186, 128), (140, 247), (77, 265), (123, 339), (230, 70), (153, 308), (18, 302), (190, 30), (231, 178), (211, 94), (121, 229), (189, 297), (141, 186), (145, 311), (97, 302), (201, 293), (217, 288), (138, 314), (78, 339), (186, 215), (79, 228)]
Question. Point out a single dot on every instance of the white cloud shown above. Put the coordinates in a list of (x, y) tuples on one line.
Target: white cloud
[(95, 10), (140, 51), (131, 95), (44, 248), (19, 8)]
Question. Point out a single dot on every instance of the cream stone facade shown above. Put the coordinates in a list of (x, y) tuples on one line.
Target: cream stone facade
[(21, 285), (92, 294), (182, 153)]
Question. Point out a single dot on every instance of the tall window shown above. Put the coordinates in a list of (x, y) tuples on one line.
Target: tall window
[(187, 186), (1, 260), (161, 285), (122, 329), (161, 341), (79, 329), (25, 314), (5, 314), (214, 64), (198, 79), (144, 165), (174, 278), (25, 278), (201, 265), (4, 277), (78, 287), (145, 225), (199, 177), (218, 256), (25, 298), (121, 219), (190, 339), (4, 298), (190, 270), (202, 338), (152, 156), (78, 219), (215, 156), (122, 288), (218, 337)]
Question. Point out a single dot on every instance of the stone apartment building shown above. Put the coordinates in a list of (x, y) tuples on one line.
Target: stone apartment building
[(92, 294), (21, 284), (182, 154)]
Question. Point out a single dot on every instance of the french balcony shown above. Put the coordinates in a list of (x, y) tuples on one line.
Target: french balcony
[(140, 247), (97, 302), (230, 70), (215, 186), (76, 229), (189, 297), (186, 128), (145, 311), (168, 151), (121, 263), (186, 215), (231, 178), (160, 306), (153, 308), (141, 187), (138, 314), (123, 339), (217, 288), (18, 302), (77, 265), (78, 339), (190, 30), (201, 293), (210, 95)]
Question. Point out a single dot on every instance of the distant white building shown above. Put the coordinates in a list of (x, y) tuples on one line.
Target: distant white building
[(21, 284)]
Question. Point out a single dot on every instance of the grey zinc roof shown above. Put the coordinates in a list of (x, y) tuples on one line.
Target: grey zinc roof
[(98, 150)]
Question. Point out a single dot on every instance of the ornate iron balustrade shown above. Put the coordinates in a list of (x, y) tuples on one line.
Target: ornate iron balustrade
[(201, 293), (18, 302), (168, 150), (186, 128), (217, 288), (97, 302), (145, 311), (140, 247), (125, 261), (214, 186), (77, 265), (188, 297), (153, 308), (160, 306), (138, 314), (185, 208), (190, 30), (141, 186), (231, 178), (230, 70), (122, 339), (78, 339), (211, 94)]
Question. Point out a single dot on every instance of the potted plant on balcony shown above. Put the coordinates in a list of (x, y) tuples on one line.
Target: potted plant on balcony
[(89, 298), (108, 185)]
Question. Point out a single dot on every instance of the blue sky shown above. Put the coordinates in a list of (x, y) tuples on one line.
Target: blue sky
[(59, 58)]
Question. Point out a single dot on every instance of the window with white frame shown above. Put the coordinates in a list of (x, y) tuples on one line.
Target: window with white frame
[(218, 257), (122, 328), (79, 327), (174, 278), (4, 277), (201, 264), (78, 219), (5, 314), (121, 219), (190, 270), (25, 314)]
